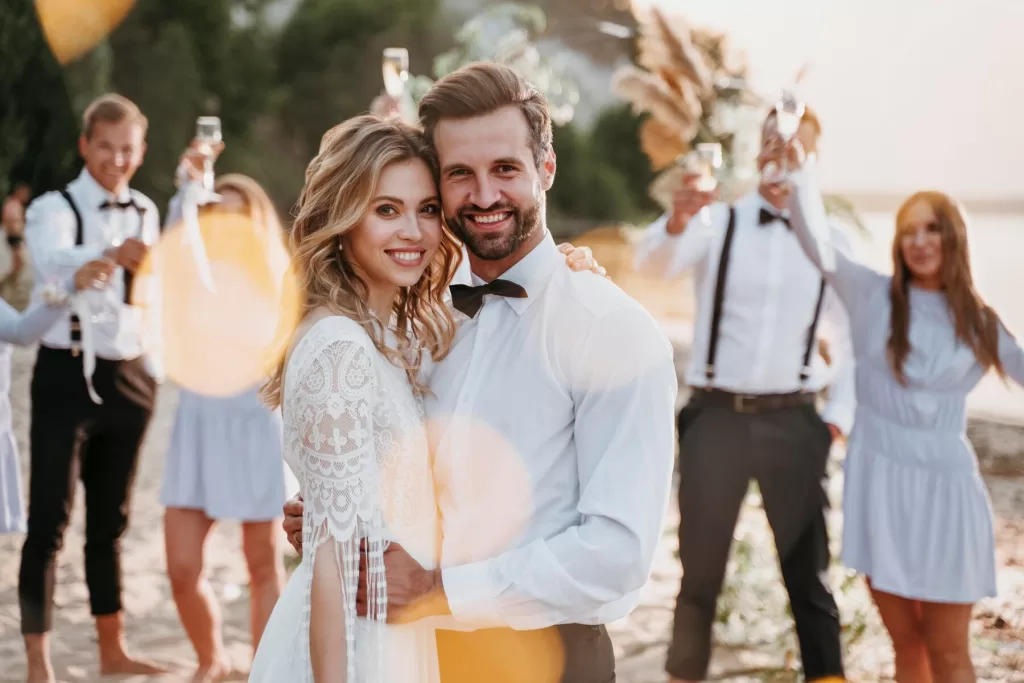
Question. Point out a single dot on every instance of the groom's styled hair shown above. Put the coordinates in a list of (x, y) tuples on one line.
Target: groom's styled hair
[(483, 88)]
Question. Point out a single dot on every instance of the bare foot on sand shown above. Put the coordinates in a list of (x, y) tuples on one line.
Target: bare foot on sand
[(216, 673), (40, 674), (37, 654), (123, 664)]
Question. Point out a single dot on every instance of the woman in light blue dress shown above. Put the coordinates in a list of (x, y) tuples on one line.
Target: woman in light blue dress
[(225, 463), (917, 518), (23, 329)]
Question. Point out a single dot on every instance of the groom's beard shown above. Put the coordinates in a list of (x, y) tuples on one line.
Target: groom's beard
[(495, 246)]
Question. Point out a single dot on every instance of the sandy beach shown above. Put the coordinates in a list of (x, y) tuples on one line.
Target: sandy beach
[(757, 640)]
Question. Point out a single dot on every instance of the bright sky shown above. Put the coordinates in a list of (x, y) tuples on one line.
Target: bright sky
[(912, 93)]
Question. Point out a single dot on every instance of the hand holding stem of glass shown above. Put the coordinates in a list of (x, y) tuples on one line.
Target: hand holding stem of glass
[(208, 135), (114, 237), (395, 67)]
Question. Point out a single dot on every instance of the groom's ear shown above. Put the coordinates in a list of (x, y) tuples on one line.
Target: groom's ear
[(547, 170)]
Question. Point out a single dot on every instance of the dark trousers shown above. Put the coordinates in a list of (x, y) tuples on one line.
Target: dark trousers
[(786, 452), (572, 653), (73, 438)]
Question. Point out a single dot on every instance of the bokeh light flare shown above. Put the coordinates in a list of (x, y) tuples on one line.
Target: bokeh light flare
[(220, 342)]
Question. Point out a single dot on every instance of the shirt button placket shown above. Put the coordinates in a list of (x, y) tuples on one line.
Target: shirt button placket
[(463, 445)]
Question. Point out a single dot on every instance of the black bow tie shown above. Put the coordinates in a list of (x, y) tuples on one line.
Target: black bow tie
[(469, 299), (130, 204), (767, 217)]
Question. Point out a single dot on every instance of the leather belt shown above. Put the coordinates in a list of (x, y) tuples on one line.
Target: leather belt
[(756, 403)]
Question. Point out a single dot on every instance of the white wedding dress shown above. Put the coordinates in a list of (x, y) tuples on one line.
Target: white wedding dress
[(354, 437)]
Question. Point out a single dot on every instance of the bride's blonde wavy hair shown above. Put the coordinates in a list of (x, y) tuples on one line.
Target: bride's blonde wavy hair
[(341, 183)]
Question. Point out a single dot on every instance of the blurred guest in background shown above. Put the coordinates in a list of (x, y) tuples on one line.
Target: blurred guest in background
[(15, 278), (917, 519), (22, 330), (225, 460), (755, 377), (72, 436), (12, 214)]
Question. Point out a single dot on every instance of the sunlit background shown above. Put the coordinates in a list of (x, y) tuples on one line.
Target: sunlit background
[(911, 93)]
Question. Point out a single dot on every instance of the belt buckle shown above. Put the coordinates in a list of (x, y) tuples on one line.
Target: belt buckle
[(739, 403)]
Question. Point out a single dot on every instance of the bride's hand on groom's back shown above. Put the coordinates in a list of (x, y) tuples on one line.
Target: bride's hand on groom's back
[(581, 258), (292, 523)]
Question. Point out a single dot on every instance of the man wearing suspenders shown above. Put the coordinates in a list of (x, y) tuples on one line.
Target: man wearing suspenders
[(754, 374), (72, 436)]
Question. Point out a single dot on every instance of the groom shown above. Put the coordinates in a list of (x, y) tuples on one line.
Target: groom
[(551, 420)]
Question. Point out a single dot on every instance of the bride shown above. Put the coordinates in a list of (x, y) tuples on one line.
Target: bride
[(374, 261)]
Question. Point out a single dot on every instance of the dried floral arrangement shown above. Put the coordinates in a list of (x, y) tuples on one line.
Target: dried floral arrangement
[(693, 86)]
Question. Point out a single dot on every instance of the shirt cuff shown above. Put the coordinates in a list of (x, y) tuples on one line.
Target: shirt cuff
[(472, 594), (838, 415), (66, 261)]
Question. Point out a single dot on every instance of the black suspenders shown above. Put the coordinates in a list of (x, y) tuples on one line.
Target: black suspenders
[(716, 311), (76, 325), (805, 371)]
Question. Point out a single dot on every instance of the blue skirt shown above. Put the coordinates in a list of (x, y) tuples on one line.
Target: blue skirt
[(225, 458), (12, 501)]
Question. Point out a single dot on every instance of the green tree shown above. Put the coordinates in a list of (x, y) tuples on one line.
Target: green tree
[(164, 80), (587, 189), (189, 58), (38, 128), (322, 67), (616, 141)]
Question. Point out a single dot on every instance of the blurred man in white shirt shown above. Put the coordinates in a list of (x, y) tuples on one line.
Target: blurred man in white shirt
[(73, 437), (755, 372)]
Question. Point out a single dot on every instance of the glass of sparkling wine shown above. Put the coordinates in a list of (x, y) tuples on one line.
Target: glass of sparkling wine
[(396, 70), (113, 235), (208, 136), (789, 112), (706, 160)]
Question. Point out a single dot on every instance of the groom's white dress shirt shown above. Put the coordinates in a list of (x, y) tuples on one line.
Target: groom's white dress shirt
[(552, 424)]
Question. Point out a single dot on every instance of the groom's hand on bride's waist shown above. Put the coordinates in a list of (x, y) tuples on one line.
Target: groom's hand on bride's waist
[(292, 523), (413, 592)]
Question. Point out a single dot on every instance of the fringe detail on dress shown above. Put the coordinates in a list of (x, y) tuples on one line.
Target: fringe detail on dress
[(347, 557)]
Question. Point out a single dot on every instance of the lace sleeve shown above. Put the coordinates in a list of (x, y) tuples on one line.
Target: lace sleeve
[(334, 404)]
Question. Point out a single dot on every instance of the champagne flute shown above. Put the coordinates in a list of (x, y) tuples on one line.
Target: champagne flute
[(97, 298), (705, 160), (395, 67), (789, 112), (208, 137)]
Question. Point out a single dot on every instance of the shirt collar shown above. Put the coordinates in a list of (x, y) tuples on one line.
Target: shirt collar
[(532, 273), (94, 194), (755, 200)]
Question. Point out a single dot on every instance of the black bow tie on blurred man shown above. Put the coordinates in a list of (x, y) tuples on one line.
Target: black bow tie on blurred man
[(123, 206), (767, 218)]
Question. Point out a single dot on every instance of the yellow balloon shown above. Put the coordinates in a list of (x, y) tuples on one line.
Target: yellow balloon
[(73, 27), (219, 342)]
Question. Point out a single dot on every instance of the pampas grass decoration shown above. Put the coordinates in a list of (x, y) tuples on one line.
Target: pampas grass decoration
[(650, 93), (661, 143)]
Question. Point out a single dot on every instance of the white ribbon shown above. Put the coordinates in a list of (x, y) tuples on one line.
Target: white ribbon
[(194, 196), (80, 305)]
